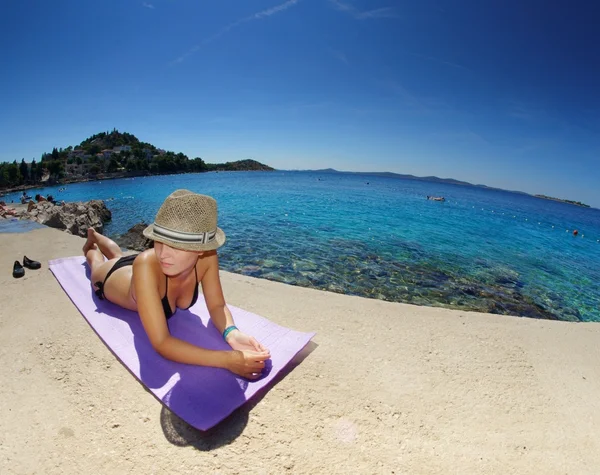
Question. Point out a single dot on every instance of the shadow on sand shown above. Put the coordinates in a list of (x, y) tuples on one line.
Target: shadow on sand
[(176, 382), (182, 434)]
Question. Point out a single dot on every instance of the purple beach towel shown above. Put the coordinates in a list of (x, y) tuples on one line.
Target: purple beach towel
[(201, 396)]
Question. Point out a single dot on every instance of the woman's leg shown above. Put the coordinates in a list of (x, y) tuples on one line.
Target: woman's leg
[(95, 248), (107, 246)]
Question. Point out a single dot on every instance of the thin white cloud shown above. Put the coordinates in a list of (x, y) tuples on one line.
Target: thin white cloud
[(273, 10), (339, 55), (410, 101), (255, 16), (148, 5), (528, 112), (385, 12), (438, 60)]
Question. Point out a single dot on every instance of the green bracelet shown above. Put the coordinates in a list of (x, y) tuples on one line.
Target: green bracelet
[(228, 330)]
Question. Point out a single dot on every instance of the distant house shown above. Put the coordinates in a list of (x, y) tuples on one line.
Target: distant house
[(122, 148), (72, 169), (106, 154), (78, 155)]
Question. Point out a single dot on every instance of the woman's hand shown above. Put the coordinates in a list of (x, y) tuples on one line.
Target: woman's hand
[(240, 341), (249, 355), (246, 363)]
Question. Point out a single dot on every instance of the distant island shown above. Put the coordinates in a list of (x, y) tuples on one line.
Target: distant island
[(451, 181), (434, 179), (117, 154), (577, 203), (108, 155)]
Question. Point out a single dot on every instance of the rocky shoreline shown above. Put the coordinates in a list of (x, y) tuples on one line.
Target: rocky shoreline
[(73, 217)]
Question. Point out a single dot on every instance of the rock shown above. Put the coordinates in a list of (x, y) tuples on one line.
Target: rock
[(74, 218), (134, 239)]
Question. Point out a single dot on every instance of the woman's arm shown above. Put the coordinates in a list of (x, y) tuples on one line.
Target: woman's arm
[(155, 323), (220, 314), (213, 295), (242, 362)]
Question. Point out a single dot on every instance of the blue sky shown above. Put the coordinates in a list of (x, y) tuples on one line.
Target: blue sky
[(503, 93)]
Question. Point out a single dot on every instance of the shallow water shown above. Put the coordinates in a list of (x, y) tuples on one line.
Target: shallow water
[(379, 237), (13, 225)]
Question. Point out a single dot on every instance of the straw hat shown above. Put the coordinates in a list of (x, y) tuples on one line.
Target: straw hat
[(187, 221)]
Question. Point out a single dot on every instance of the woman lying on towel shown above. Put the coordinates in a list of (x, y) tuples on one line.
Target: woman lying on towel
[(158, 281)]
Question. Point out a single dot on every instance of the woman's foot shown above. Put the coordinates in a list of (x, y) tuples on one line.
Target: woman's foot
[(91, 241)]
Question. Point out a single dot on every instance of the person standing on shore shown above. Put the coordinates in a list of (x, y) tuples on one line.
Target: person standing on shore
[(159, 280)]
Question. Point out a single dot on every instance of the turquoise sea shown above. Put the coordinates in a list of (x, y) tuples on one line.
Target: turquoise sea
[(379, 237)]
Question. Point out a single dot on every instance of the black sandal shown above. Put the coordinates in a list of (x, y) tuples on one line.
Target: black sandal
[(31, 264), (18, 270)]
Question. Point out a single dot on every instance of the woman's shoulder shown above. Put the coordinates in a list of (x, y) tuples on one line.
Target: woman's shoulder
[(146, 259), (147, 268), (208, 258)]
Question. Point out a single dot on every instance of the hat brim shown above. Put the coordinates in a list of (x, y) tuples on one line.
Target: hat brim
[(216, 243)]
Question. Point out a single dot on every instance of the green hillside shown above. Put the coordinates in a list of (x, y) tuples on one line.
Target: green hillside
[(109, 154)]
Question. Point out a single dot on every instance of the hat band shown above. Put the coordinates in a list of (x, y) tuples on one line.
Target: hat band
[(178, 236)]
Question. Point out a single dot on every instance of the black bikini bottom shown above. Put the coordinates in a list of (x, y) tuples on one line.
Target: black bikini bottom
[(122, 262)]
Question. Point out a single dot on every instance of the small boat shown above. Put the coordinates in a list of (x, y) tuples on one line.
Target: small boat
[(436, 198)]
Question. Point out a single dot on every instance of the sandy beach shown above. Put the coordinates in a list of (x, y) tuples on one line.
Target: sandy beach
[(382, 388)]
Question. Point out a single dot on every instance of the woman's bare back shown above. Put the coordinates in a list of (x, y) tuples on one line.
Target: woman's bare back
[(119, 288)]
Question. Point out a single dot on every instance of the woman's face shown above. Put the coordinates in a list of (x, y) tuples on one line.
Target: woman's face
[(174, 261)]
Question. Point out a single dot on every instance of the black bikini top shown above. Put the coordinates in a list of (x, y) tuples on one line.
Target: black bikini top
[(165, 301)]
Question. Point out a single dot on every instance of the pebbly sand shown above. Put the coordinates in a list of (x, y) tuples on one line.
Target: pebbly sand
[(383, 388)]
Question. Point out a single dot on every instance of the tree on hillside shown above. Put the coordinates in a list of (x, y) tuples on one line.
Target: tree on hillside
[(196, 165), (55, 167), (94, 149), (34, 174), (131, 165), (138, 153), (141, 164), (14, 175), (4, 178), (113, 165), (95, 169), (24, 169)]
